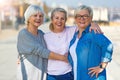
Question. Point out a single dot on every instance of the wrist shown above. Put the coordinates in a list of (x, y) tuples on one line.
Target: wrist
[(101, 66)]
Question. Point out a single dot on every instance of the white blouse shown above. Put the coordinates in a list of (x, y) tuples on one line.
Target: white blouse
[(59, 43), (74, 57)]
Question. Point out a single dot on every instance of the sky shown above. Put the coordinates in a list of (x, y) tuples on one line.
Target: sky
[(75, 3)]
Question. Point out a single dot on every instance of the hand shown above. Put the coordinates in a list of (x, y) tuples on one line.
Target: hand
[(18, 61), (66, 54), (95, 71), (95, 27), (65, 59)]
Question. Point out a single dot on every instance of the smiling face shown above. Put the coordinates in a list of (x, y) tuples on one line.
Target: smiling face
[(83, 18), (58, 21), (36, 20)]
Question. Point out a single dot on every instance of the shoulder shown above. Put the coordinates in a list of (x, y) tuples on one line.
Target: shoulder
[(90, 34), (22, 32), (71, 28), (48, 34), (95, 36), (23, 35), (41, 32)]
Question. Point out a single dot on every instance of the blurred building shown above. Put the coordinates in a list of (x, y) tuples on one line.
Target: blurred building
[(100, 15), (11, 13)]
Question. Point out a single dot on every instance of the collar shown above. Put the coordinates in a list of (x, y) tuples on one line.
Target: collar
[(85, 31)]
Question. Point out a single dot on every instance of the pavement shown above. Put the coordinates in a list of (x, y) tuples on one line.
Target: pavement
[(7, 33)]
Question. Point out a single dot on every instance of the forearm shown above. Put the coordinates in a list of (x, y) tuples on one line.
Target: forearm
[(56, 56)]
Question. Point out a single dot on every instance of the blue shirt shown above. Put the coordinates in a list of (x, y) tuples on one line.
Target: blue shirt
[(91, 50)]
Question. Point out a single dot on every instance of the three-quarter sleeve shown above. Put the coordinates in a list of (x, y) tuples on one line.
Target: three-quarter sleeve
[(26, 44), (106, 46)]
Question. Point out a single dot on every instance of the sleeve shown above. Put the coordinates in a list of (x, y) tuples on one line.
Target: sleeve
[(106, 46), (27, 45)]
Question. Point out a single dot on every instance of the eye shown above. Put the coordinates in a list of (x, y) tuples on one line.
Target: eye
[(35, 15), (56, 17), (40, 16), (62, 18)]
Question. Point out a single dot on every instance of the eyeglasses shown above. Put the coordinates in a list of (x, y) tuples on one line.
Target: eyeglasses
[(82, 16)]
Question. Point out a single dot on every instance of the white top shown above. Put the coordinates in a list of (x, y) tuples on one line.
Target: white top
[(59, 43), (74, 57)]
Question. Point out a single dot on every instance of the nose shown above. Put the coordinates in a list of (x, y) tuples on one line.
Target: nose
[(82, 17)]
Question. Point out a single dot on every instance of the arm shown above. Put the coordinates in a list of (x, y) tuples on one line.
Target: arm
[(95, 27), (27, 45), (106, 47), (106, 53), (56, 56)]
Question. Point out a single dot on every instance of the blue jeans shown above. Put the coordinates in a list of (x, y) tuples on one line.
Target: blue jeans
[(67, 76)]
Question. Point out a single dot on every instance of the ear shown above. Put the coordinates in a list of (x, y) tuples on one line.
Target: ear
[(91, 18)]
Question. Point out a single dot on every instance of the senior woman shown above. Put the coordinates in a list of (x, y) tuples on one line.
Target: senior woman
[(89, 52), (32, 48)]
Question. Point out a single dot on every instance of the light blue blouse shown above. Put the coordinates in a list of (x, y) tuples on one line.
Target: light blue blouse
[(91, 50)]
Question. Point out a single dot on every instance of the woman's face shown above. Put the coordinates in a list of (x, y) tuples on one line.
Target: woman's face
[(36, 19), (58, 21), (83, 19)]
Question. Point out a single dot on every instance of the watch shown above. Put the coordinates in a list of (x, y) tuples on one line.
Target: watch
[(101, 66)]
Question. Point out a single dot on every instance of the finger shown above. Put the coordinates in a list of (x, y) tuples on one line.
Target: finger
[(91, 68), (90, 30), (96, 75), (92, 74), (18, 61), (66, 54), (99, 30)]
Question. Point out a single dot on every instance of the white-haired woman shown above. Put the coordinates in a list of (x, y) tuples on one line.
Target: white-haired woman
[(89, 52), (32, 48)]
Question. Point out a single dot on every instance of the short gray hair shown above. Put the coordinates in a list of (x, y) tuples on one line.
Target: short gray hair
[(31, 10), (83, 7)]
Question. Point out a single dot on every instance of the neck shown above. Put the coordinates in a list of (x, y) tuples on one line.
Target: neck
[(80, 32), (32, 29), (58, 31)]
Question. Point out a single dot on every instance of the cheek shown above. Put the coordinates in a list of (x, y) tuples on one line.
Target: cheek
[(76, 21), (89, 20), (64, 22), (53, 21), (42, 20)]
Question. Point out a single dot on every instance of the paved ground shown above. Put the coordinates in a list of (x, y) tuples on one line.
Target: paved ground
[(8, 53), (7, 33), (113, 68)]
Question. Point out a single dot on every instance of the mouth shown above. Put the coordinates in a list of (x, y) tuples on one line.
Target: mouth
[(59, 24), (38, 22), (81, 22)]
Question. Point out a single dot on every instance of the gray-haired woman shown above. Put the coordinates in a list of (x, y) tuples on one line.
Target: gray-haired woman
[(89, 52), (32, 48)]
